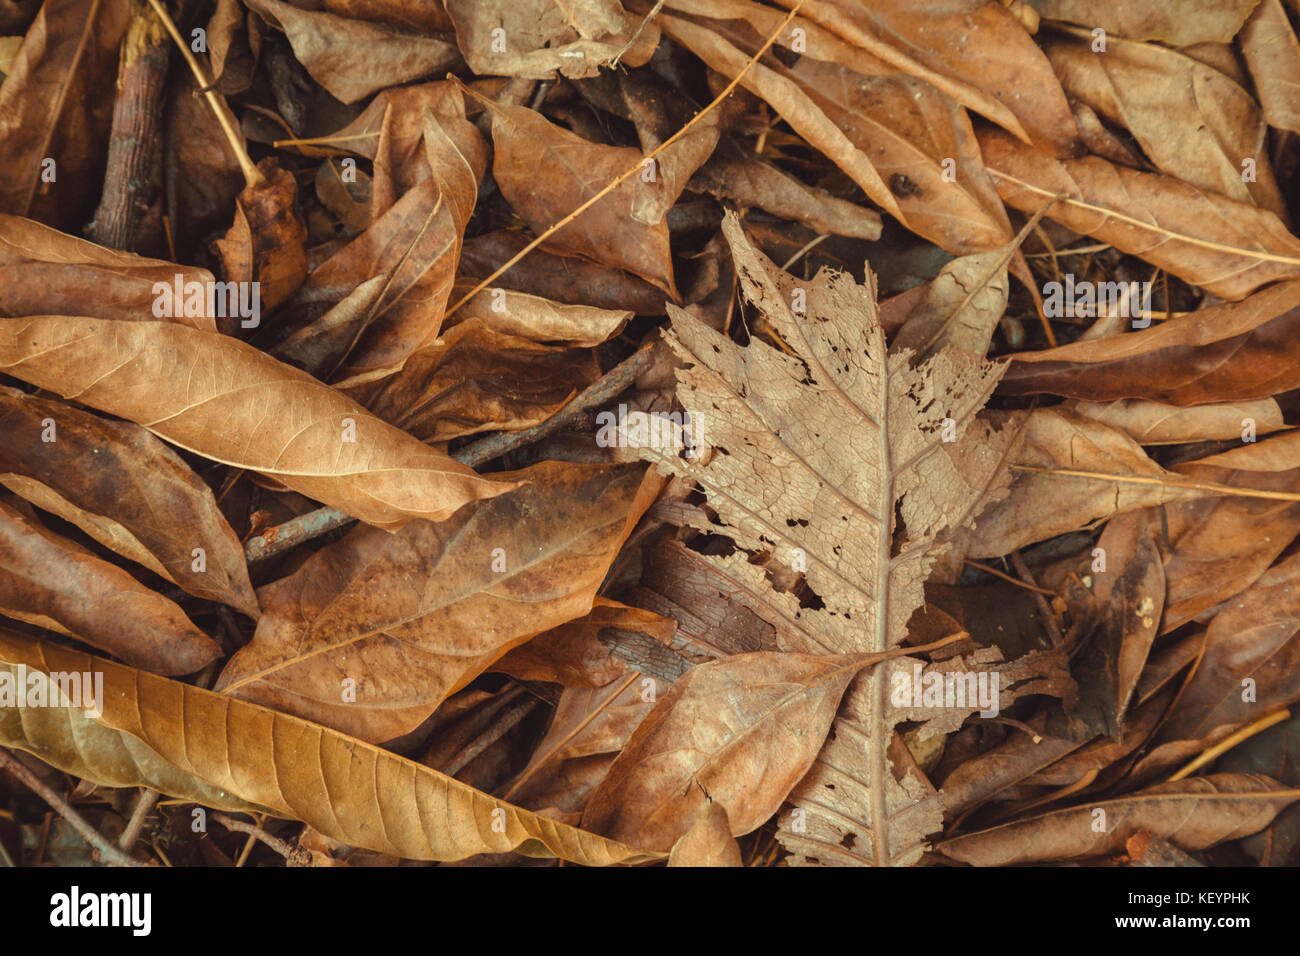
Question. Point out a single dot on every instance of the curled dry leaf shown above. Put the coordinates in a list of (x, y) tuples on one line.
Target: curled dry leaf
[(52, 110), (1227, 247), (327, 46), (751, 182), (54, 583), (577, 653), (1155, 423), (537, 38), (545, 172), (1175, 22), (542, 320), (474, 379), (1192, 814), (412, 617), (192, 388), (265, 244), (1040, 506), (1235, 351), (140, 499), (42, 269), (1193, 122), (1269, 45), (223, 752)]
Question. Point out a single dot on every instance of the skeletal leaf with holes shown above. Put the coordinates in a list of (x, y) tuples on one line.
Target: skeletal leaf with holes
[(852, 463)]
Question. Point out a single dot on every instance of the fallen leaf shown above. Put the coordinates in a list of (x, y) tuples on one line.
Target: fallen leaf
[(52, 110), (140, 499), (327, 46), (54, 583), (412, 617), (191, 388), (43, 269), (223, 752), (1191, 814), (708, 842)]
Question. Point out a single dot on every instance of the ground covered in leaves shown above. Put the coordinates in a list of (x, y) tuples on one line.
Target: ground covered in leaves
[(712, 432)]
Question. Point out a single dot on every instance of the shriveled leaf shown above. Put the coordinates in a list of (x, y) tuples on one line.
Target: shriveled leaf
[(412, 617), (577, 653), (1273, 55), (139, 498), (265, 244), (751, 182), (1193, 122), (1176, 22), (224, 752), (542, 37), (220, 398), (1155, 423), (1041, 506), (54, 583), (542, 320)]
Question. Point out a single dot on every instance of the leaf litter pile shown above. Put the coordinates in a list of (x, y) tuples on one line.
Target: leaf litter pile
[(712, 432)]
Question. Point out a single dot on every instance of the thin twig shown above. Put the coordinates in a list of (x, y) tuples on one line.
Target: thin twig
[(107, 852), (1167, 482), (619, 180), (252, 175), (295, 531), (1223, 746), (144, 805), (286, 850), (636, 34)]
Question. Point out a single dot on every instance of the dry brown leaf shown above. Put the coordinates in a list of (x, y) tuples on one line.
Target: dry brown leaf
[(1041, 506), (1193, 122), (751, 182), (373, 632), (1176, 22), (543, 320), (739, 733), (327, 46), (1192, 814), (223, 752), (708, 842), (193, 389), (590, 728), (537, 38), (1269, 44), (139, 498), (1231, 352), (1155, 423), (54, 583), (1229, 248), (265, 243), (43, 270), (860, 501), (577, 653), (545, 172), (474, 379), (52, 109)]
